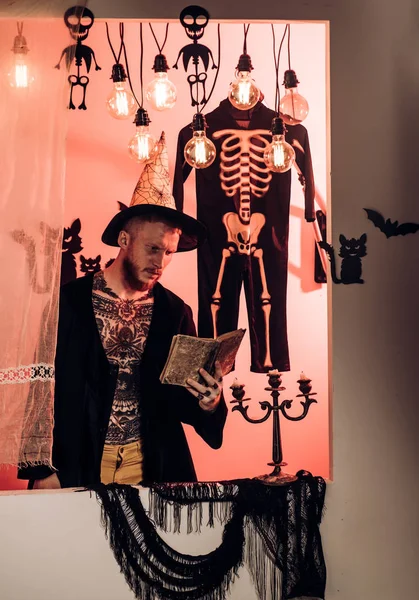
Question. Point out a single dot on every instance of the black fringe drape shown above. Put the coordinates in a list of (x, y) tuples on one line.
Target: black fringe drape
[(273, 530)]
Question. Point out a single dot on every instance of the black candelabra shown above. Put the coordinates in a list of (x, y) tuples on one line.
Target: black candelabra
[(277, 477)]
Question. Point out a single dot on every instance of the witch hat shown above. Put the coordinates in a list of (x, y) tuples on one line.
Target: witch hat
[(152, 195)]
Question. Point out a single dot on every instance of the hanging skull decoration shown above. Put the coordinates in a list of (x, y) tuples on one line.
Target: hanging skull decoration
[(78, 26), (194, 19), (79, 21)]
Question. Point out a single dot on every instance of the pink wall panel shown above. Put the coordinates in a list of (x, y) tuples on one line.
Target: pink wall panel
[(100, 172)]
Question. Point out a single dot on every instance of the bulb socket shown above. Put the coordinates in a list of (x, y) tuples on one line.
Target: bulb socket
[(199, 123), (245, 63), (290, 79), (118, 73), (19, 45), (278, 127), (160, 64), (142, 118)]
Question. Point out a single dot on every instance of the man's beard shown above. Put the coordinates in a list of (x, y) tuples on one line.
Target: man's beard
[(132, 279)]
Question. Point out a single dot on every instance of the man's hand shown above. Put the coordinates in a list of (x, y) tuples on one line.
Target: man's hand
[(209, 395), (49, 483)]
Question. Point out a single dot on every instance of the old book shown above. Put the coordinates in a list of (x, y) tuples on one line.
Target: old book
[(188, 354)]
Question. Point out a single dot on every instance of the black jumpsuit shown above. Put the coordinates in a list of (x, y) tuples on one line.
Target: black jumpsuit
[(267, 203)]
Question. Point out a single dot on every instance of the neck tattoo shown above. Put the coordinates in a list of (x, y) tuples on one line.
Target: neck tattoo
[(100, 285)]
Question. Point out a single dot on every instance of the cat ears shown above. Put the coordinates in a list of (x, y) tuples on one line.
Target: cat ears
[(97, 259), (362, 239)]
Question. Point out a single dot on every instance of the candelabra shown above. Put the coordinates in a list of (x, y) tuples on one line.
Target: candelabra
[(277, 477)]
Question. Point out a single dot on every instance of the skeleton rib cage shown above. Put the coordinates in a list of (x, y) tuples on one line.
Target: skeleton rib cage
[(242, 168)]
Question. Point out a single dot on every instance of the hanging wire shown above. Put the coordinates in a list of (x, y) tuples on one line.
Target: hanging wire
[(121, 34), (19, 27), (246, 31), (141, 66), (161, 48), (218, 69), (276, 62), (289, 47)]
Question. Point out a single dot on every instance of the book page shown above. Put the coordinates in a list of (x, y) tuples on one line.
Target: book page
[(229, 345)]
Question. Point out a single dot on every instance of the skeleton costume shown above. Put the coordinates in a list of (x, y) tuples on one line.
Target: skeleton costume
[(246, 210)]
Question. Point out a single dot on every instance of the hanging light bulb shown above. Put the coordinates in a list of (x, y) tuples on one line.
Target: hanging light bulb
[(160, 92), (199, 152), (293, 106), (142, 146), (279, 156), (244, 93), (19, 75), (120, 102)]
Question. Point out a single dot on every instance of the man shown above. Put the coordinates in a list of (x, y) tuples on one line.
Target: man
[(114, 420)]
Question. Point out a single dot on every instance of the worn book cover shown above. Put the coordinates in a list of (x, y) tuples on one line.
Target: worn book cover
[(188, 354)]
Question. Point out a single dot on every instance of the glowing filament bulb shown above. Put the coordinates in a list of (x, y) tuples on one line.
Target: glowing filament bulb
[(199, 152), (142, 146), (19, 75), (21, 79), (279, 156), (243, 93), (120, 103), (293, 106), (161, 93)]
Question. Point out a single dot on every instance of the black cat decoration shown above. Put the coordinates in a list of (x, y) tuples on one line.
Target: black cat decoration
[(79, 20), (71, 246), (352, 251), (388, 227), (89, 265)]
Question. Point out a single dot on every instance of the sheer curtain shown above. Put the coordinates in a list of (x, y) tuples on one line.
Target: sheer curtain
[(33, 125)]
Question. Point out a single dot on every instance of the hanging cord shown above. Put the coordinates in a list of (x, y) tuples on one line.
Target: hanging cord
[(141, 67), (246, 31), (276, 62), (161, 48), (218, 69), (19, 27), (121, 34), (289, 47), (141, 64), (122, 48)]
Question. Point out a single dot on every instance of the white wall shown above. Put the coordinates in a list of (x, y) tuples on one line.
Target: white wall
[(370, 530)]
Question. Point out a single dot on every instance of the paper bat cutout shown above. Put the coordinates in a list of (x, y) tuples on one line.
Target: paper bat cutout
[(388, 227)]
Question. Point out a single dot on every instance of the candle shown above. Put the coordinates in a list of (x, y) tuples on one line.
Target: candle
[(236, 384)]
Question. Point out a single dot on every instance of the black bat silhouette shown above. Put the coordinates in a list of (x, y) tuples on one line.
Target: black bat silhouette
[(388, 227)]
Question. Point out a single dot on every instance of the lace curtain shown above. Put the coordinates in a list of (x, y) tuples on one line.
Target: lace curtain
[(33, 124)]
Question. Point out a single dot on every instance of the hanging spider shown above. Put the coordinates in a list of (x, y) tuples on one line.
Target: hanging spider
[(194, 19), (79, 20)]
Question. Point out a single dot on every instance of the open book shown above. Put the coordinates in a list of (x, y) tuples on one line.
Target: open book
[(188, 354)]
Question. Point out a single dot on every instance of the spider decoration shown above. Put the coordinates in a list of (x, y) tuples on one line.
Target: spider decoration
[(79, 20), (194, 19)]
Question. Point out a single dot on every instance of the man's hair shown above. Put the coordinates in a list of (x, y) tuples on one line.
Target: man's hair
[(132, 224)]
